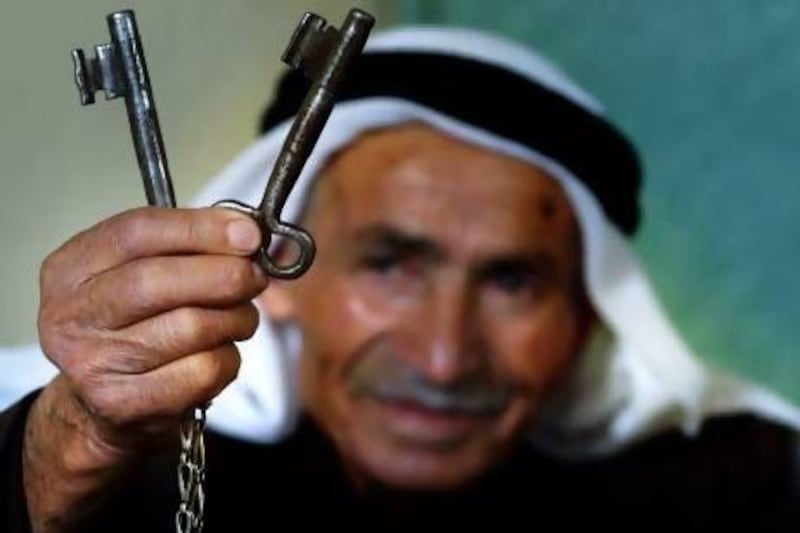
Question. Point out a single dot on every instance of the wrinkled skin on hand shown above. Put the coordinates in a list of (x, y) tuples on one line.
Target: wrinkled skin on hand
[(139, 313)]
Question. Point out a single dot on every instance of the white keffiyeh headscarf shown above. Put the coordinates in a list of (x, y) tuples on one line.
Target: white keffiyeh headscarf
[(637, 377)]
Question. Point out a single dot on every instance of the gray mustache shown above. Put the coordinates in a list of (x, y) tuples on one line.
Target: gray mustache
[(395, 383)]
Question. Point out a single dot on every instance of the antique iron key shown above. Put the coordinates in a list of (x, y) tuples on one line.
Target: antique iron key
[(324, 54)]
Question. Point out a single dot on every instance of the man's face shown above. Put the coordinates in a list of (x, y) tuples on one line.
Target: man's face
[(444, 304)]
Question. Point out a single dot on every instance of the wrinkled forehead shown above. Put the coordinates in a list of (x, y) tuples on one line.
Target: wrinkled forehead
[(423, 181)]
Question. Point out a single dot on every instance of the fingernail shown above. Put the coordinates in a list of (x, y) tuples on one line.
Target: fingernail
[(243, 235)]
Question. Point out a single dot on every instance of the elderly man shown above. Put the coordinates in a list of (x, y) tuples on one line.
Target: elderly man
[(475, 340)]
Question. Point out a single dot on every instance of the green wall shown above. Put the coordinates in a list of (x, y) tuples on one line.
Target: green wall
[(710, 92)]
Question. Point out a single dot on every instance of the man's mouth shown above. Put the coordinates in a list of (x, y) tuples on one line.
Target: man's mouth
[(422, 425)]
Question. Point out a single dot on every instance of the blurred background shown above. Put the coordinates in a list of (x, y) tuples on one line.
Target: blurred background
[(707, 90)]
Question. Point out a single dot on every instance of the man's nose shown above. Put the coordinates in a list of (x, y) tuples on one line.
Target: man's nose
[(450, 347)]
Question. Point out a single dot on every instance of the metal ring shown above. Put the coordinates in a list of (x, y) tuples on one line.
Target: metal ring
[(304, 241)]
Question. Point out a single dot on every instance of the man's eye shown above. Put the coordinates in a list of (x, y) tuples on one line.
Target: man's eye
[(513, 280), (381, 262)]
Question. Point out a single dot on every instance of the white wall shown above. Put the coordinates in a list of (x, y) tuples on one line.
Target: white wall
[(64, 167)]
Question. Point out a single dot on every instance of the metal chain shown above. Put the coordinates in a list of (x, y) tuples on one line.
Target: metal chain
[(192, 473)]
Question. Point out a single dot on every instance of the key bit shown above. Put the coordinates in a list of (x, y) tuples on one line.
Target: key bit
[(308, 48), (119, 69)]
